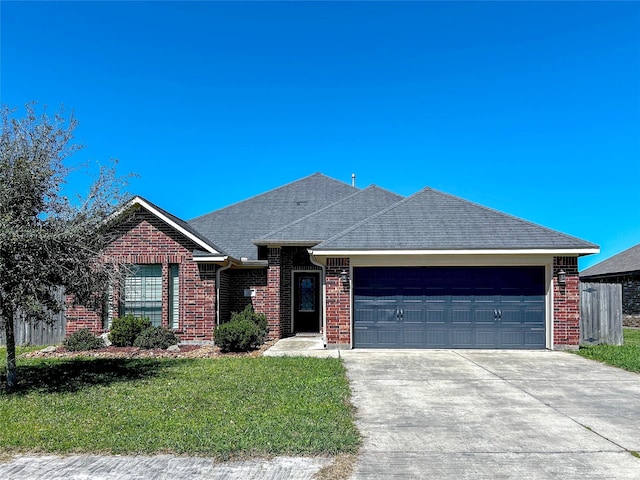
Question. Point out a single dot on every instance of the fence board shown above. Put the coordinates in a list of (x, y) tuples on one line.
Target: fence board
[(39, 333), (600, 313)]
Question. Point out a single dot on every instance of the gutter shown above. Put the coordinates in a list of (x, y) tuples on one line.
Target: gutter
[(324, 297)]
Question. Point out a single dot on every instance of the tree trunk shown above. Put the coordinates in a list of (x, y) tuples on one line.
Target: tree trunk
[(12, 372)]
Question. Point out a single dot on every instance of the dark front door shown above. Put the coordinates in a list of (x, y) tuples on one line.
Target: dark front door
[(306, 302)]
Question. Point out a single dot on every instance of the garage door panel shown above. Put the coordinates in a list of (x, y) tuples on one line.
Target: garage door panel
[(413, 338), (485, 339), (436, 338), (443, 307), (461, 338), (460, 316), (434, 316)]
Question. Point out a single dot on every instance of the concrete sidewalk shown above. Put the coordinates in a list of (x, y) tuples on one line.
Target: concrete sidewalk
[(493, 414), (100, 467)]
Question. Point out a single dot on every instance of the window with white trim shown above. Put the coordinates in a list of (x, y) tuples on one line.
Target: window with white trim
[(142, 293)]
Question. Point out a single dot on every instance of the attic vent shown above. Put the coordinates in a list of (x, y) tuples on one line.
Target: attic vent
[(301, 202)]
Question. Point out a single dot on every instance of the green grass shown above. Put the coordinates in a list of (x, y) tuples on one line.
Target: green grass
[(625, 356), (226, 408)]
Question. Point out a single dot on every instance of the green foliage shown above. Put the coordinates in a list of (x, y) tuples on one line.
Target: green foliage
[(260, 319), (125, 330), (228, 407), (625, 356), (156, 337), (49, 239), (246, 330), (238, 335), (82, 340)]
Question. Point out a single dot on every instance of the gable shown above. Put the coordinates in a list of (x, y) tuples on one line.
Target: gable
[(139, 207)]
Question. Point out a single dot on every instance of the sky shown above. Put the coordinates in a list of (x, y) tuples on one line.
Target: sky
[(530, 108)]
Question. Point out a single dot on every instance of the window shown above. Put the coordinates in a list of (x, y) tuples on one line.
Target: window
[(107, 308), (174, 295), (142, 293)]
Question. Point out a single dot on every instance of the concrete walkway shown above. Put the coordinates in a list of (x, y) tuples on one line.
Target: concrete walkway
[(301, 346), (493, 414)]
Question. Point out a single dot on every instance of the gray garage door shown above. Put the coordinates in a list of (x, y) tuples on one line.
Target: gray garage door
[(449, 307)]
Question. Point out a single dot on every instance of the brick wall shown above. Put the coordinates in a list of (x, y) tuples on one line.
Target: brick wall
[(239, 280), (144, 239), (566, 304), (338, 303), (271, 299)]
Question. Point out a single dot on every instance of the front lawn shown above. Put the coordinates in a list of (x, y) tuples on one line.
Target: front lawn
[(228, 407), (626, 356)]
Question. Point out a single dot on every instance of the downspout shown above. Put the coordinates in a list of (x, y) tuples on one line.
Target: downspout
[(218, 272), (324, 297)]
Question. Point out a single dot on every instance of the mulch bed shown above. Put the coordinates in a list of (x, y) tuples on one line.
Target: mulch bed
[(186, 351)]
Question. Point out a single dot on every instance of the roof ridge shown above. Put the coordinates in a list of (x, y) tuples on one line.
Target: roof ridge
[(375, 215), (316, 174), (323, 209)]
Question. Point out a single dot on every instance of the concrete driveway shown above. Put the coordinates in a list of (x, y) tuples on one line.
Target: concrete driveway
[(493, 414)]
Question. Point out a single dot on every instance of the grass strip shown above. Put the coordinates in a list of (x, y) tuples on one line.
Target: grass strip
[(625, 356)]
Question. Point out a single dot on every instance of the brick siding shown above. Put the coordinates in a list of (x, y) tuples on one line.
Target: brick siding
[(566, 304), (144, 239), (338, 303)]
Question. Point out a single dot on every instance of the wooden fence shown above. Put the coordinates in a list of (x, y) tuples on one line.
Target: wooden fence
[(600, 313), (50, 332)]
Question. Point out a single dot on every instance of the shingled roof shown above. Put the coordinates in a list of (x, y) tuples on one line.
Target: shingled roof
[(432, 220), (235, 226), (332, 219), (624, 262)]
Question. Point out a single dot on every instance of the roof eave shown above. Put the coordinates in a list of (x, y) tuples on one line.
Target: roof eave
[(286, 243), (524, 251)]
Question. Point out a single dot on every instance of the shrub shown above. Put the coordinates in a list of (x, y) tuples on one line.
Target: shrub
[(238, 335), (260, 319), (82, 340), (124, 330), (156, 337)]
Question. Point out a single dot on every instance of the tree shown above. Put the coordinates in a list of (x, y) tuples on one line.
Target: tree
[(47, 240)]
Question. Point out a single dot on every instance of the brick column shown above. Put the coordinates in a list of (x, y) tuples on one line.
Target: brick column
[(566, 304), (338, 304), (272, 301)]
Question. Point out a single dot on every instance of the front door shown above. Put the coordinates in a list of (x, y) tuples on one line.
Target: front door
[(306, 302)]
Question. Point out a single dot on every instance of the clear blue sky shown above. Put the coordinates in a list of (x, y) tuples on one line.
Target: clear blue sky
[(529, 108)]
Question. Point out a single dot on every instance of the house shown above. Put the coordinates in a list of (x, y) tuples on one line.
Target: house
[(365, 268), (623, 268)]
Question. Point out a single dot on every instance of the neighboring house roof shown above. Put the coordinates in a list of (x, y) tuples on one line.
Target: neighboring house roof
[(627, 261), (174, 222), (235, 226), (432, 220), (332, 219)]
